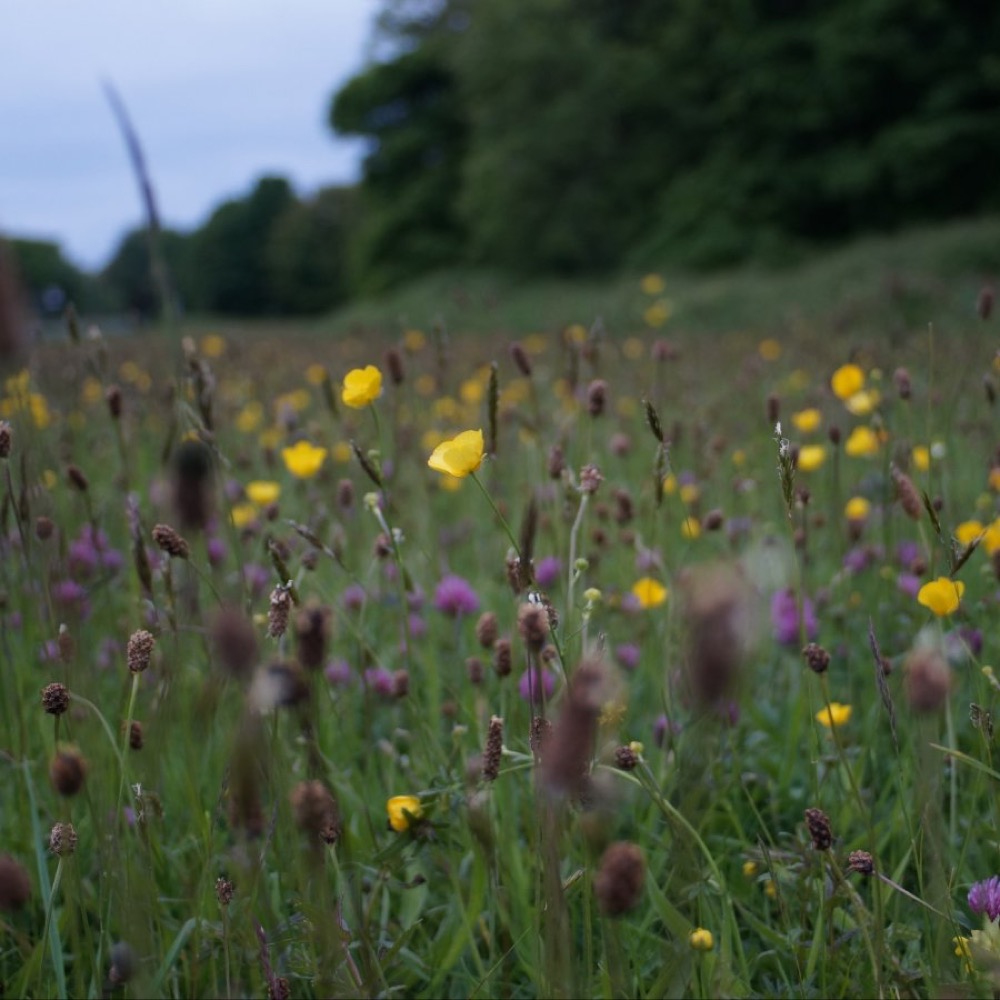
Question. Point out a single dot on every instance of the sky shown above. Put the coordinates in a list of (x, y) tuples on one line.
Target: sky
[(220, 92)]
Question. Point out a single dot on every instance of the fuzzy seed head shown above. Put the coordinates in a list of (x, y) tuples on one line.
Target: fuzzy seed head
[(55, 698), (139, 650), (620, 877), (494, 749), (170, 542), (62, 839), (820, 831)]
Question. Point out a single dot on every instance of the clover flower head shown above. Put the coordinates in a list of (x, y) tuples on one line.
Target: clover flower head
[(984, 897)]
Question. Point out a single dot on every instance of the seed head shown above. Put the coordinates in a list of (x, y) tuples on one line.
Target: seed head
[(139, 650), (928, 680), (170, 542), (114, 400), (6, 438), (820, 831), (277, 613), (315, 811), (557, 462), (520, 358), (224, 891), (984, 304), (312, 631), (909, 498), (590, 479), (817, 658), (533, 625), (487, 629), (502, 661), (626, 759), (15, 886), (493, 750), (597, 397), (44, 528), (619, 880), (904, 385), (67, 771), (861, 862), (394, 366), (55, 698), (77, 479), (234, 642), (62, 839)]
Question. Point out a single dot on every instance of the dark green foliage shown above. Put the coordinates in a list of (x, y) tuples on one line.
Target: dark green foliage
[(129, 275), (50, 281), (231, 251), (568, 135)]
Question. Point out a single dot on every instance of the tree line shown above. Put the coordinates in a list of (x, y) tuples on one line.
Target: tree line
[(574, 136)]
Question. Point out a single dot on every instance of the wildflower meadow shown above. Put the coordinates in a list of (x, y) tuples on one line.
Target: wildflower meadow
[(602, 660)]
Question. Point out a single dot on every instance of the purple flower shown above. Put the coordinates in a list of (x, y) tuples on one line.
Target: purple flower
[(785, 618), (418, 627), (962, 642), (984, 897), (664, 728), (454, 596), (257, 578), (647, 560), (907, 553), (908, 584), (379, 680), (531, 685), (547, 571), (71, 595), (338, 673), (627, 654), (353, 597), (215, 548)]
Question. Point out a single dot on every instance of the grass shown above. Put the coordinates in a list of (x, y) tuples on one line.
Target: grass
[(326, 643)]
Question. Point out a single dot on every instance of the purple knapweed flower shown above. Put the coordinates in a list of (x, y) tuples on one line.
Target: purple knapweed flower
[(907, 553), (547, 571), (627, 654), (257, 578), (984, 897), (353, 597), (785, 618), (454, 596), (215, 549), (338, 673), (908, 584), (531, 684), (379, 680)]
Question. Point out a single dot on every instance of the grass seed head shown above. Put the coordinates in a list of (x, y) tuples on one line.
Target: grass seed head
[(620, 877), (15, 886), (55, 698)]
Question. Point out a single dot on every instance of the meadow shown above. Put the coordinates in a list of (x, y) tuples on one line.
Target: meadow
[(621, 641)]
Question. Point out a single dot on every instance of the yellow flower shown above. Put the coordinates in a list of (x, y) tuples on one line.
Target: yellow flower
[(669, 483), (690, 493), (633, 349), (250, 417), (459, 456), (652, 284), (806, 421), (701, 939), (91, 391), (921, 455), (739, 458), (994, 480), (942, 596), (862, 443), (403, 810), (263, 491), (471, 391), (651, 593), (968, 531), (862, 403), (769, 349), (361, 387), (303, 460), (244, 514), (991, 538), (811, 457), (658, 313), (690, 527), (749, 868), (425, 385), (316, 374), (857, 509), (414, 340), (213, 345), (835, 714), (846, 381)]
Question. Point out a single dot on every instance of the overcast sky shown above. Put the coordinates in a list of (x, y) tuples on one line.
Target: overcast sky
[(219, 92)]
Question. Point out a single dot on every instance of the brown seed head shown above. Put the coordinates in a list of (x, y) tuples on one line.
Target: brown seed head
[(713, 520), (474, 669), (44, 527), (224, 891), (278, 988), (557, 462), (62, 839), (626, 759), (15, 886), (533, 625), (590, 479), (928, 680), (400, 683), (820, 831), (861, 862), (278, 611), (538, 736), (909, 498), (834, 435), (394, 366), (192, 493), (55, 698), (620, 877), (6, 438), (520, 358), (817, 658), (493, 750), (502, 661), (114, 400), (234, 642), (67, 771), (76, 478), (773, 409), (904, 385), (984, 304), (315, 811), (487, 629), (170, 542), (136, 736), (597, 397), (312, 631), (345, 494), (139, 650)]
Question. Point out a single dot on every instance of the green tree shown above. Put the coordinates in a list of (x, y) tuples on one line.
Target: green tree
[(409, 111), (129, 274), (229, 253), (306, 252), (51, 281)]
